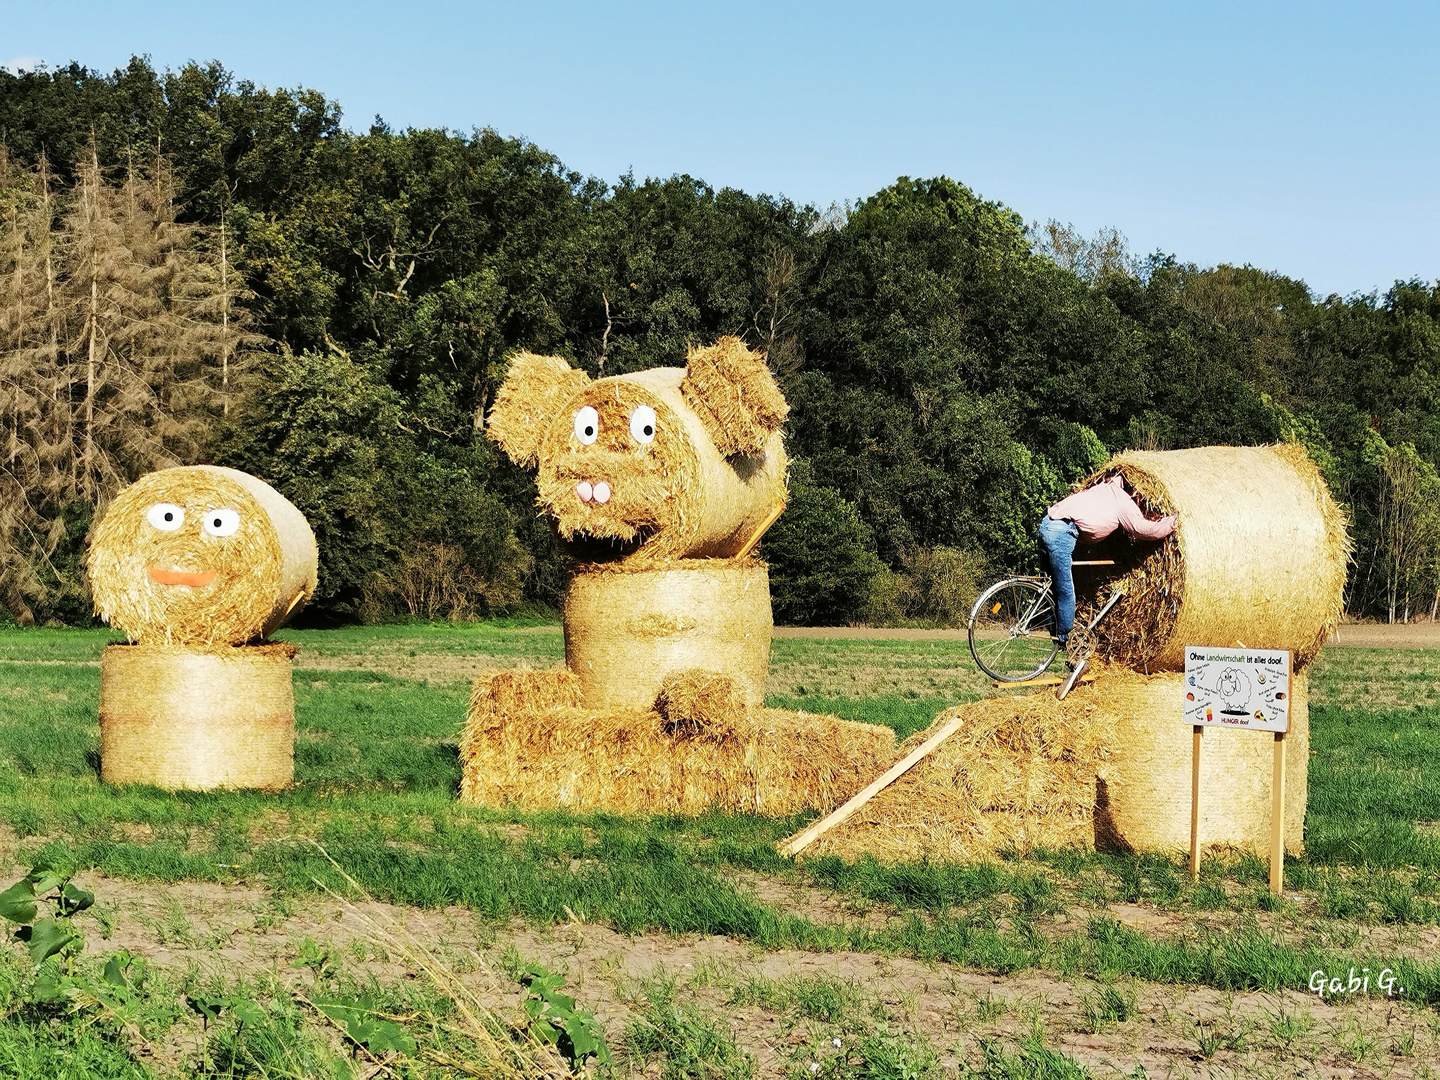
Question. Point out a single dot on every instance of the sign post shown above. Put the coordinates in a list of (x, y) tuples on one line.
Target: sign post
[(1247, 689)]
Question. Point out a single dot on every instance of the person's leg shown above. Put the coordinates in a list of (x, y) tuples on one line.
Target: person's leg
[(1057, 540)]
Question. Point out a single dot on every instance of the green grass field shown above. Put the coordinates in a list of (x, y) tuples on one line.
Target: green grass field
[(378, 714)]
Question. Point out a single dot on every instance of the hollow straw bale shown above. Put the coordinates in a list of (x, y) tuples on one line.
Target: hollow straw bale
[(1108, 767), (196, 582), (627, 630), (765, 761), (181, 718), (1258, 557)]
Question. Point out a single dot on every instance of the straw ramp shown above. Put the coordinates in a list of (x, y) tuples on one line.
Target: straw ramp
[(1108, 767)]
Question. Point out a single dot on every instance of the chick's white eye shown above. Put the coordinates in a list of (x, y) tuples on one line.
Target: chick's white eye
[(221, 522), (587, 425), (642, 423), (167, 517)]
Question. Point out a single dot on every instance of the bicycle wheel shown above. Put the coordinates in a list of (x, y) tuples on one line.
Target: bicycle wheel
[(1010, 630)]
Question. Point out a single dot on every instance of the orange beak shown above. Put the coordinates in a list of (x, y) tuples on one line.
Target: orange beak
[(196, 579)]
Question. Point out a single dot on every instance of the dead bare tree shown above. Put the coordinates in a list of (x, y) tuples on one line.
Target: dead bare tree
[(120, 341)]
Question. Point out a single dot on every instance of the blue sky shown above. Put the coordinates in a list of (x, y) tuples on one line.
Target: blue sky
[(1296, 137)]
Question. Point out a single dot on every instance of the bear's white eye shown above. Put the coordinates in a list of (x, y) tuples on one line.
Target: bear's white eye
[(222, 522), (167, 517), (642, 423), (587, 424)]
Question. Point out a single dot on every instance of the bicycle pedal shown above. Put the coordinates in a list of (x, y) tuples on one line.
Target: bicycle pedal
[(1069, 684)]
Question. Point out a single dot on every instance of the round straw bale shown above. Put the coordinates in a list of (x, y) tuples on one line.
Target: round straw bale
[(201, 556), (1258, 558), (626, 631), (678, 496), (1143, 791), (181, 718)]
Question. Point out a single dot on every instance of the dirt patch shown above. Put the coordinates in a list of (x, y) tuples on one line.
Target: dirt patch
[(1169, 1030)]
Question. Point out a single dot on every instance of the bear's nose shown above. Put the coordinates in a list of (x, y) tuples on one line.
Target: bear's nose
[(584, 490)]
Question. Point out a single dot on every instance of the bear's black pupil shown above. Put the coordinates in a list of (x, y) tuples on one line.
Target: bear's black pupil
[(589, 430), (169, 517), (649, 430), (217, 523)]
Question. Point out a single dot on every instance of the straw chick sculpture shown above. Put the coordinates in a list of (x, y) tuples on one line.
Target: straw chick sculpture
[(197, 565), (662, 482)]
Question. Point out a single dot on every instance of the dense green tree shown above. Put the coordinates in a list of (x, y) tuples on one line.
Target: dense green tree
[(950, 371)]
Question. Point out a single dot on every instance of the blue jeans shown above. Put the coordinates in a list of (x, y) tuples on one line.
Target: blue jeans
[(1057, 545)]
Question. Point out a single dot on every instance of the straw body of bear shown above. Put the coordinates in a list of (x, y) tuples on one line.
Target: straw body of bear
[(669, 477)]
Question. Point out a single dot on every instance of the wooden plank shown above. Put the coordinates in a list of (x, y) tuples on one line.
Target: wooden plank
[(1092, 562), (761, 531), (1045, 680), (1277, 818), (1195, 804), (803, 839)]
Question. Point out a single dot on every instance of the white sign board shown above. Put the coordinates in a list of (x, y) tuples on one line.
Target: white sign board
[(1241, 688)]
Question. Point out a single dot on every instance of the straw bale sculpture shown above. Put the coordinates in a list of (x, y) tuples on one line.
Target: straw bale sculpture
[(662, 481), (1258, 560), (198, 565)]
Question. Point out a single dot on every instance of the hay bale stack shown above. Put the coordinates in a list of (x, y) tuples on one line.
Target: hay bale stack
[(631, 762), (1108, 767), (201, 556), (626, 630), (186, 719), (1258, 558)]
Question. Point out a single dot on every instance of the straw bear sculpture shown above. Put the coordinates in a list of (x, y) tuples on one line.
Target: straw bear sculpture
[(662, 482), (198, 565)]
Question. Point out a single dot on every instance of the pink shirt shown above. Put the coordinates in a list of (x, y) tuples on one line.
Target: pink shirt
[(1098, 511)]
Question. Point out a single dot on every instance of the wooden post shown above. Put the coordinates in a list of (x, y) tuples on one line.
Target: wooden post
[(1277, 818), (1195, 804)]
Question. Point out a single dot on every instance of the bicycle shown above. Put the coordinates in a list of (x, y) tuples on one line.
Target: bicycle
[(1011, 628)]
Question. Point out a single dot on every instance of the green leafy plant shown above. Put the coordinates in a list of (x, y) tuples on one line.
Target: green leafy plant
[(556, 1020), (366, 1026), (21, 903)]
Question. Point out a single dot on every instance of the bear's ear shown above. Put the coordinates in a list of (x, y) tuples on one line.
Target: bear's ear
[(532, 394), (732, 391)]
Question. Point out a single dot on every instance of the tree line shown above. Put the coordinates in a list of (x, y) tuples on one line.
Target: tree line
[(193, 267)]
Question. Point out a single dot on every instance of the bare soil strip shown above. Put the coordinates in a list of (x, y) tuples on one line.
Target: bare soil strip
[(246, 931)]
